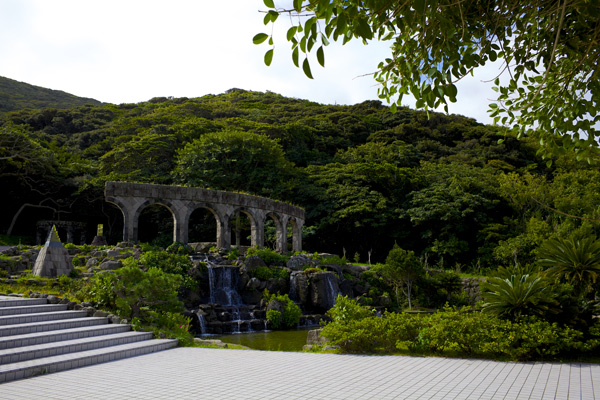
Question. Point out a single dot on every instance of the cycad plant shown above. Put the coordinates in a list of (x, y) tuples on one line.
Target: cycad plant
[(512, 296), (574, 260)]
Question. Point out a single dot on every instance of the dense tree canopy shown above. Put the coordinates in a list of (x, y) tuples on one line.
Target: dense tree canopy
[(439, 185), (548, 84)]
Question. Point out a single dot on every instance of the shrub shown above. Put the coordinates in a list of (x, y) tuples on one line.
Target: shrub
[(334, 260), (270, 257), (266, 273), (355, 329), (179, 248), (274, 318), (177, 264), (289, 317), (130, 291), (521, 293)]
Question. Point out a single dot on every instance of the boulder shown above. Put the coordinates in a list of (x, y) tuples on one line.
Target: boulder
[(324, 288), (251, 263), (298, 262), (92, 262), (111, 265), (314, 337)]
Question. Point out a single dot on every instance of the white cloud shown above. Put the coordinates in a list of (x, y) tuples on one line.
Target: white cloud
[(130, 51)]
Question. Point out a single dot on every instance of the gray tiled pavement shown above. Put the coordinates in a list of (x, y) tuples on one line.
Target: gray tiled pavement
[(194, 373)]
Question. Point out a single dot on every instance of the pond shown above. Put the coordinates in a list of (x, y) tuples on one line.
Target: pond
[(268, 340)]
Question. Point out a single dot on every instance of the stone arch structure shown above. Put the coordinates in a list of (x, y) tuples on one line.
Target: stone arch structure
[(132, 198)]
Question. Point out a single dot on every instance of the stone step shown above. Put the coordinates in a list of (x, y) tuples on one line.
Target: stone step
[(30, 339), (45, 326), (6, 301), (40, 366), (38, 317), (20, 354), (31, 309)]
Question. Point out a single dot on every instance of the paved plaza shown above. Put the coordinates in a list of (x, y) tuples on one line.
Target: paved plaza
[(196, 373)]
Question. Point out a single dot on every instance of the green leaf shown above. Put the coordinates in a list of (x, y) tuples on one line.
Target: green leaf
[(259, 38), (306, 68), (291, 32), (321, 56), (273, 15), (295, 57), (298, 5), (269, 3), (419, 6), (269, 57)]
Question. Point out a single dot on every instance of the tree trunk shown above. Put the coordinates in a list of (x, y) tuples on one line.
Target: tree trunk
[(16, 216)]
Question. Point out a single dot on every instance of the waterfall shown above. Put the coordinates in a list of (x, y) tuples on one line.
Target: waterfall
[(332, 289), (202, 322), (294, 286), (223, 281)]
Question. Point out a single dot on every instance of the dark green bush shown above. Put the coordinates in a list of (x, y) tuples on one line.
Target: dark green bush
[(355, 329), (177, 264), (270, 257), (289, 317)]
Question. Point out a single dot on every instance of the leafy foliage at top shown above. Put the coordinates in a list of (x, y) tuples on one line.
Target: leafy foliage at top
[(547, 49)]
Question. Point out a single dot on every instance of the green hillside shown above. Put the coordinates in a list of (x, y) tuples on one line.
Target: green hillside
[(440, 185), (16, 95)]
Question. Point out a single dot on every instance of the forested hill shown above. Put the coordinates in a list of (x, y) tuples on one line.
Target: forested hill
[(443, 186), (16, 95)]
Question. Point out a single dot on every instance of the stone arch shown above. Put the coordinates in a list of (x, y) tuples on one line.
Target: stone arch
[(210, 208), (280, 244), (256, 225), (150, 202), (296, 225), (132, 198)]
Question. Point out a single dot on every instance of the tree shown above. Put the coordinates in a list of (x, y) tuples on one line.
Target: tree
[(234, 160), (401, 270), (549, 50)]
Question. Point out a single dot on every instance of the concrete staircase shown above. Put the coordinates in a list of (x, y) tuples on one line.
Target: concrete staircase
[(38, 338)]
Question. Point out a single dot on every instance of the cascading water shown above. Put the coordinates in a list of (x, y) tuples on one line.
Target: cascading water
[(202, 323), (294, 285), (223, 282), (332, 289)]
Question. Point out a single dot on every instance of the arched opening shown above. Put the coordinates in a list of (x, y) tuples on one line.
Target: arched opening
[(289, 235), (155, 225), (241, 228), (273, 232), (270, 233), (112, 224), (202, 226)]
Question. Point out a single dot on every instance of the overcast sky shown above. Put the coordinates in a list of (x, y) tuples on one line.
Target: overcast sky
[(128, 51)]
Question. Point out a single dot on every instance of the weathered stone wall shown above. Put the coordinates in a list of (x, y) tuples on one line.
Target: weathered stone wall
[(132, 198), (168, 192)]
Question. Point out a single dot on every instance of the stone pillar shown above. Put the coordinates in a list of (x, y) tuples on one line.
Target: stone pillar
[(297, 235), (70, 234), (223, 233), (181, 221), (281, 235), (258, 230)]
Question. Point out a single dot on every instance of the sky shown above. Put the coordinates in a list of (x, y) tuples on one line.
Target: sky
[(129, 51)]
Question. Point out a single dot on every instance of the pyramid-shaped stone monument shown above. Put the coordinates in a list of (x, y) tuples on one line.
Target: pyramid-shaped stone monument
[(53, 260)]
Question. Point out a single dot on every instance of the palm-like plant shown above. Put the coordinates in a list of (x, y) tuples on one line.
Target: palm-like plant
[(517, 295), (575, 260)]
